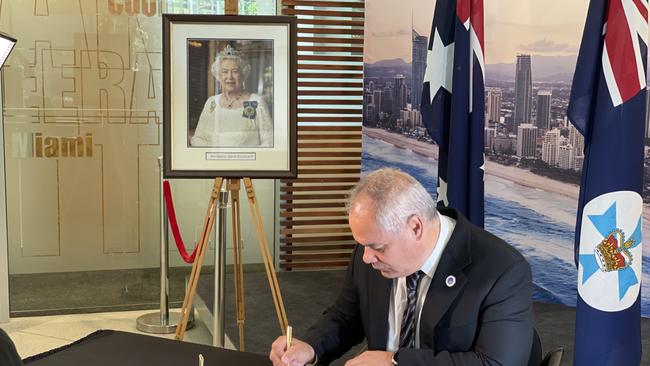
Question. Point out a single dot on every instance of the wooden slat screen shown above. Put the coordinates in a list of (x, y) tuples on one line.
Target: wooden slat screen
[(313, 227)]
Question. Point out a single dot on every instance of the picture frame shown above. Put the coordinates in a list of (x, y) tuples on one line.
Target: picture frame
[(229, 105)]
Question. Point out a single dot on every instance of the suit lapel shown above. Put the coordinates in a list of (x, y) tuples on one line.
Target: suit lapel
[(378, 300), (440, 296)]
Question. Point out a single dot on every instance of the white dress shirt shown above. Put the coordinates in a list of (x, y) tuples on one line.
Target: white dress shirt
[(398, 296)]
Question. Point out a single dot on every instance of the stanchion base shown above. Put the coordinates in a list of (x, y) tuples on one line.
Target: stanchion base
[(150, 323)]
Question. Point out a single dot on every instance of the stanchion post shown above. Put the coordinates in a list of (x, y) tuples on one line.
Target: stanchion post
[(198, 260), (164, 252), (162, 322)]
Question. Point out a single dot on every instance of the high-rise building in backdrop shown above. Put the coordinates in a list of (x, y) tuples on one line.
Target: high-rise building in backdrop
[(493, 110), (399, 95), (418, 67), (387, 100), (370, 118), (579, 160), (368, 97), (488, 137), (543, 117), (566, 157), (527, 141), (411, 118), (378, 100), (576, 140), (368, 101), (523, 91), (504, 144), (551, 147)]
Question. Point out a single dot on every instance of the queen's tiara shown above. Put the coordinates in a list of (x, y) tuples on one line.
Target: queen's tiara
[(228, 51)]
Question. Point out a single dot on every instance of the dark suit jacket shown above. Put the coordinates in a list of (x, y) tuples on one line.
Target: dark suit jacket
[(484, 319)]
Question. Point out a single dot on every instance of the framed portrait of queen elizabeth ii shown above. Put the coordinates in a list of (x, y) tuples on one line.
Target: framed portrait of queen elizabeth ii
[(229, 96)]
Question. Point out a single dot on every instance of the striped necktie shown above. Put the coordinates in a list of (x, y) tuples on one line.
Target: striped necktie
[(407, 330)]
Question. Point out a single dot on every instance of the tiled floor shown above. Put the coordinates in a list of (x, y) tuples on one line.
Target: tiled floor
[(33, 335)]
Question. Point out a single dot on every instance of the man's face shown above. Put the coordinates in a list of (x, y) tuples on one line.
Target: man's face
[(394, 255)]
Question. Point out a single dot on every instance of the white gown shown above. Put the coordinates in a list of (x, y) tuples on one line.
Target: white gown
[(250, 125)]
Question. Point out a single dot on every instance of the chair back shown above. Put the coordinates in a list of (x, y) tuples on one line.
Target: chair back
[(536, 350), (553, 358)]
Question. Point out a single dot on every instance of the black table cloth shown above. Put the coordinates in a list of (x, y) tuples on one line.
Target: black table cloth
[(112, 348)]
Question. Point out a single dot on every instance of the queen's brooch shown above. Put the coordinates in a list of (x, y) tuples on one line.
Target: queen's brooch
[(250, 109)]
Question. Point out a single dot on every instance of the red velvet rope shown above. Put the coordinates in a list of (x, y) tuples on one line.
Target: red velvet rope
[(174, 225)]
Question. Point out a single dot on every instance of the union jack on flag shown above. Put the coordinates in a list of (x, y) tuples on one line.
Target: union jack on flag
[(625, 35), (608, 106), (453, 103)]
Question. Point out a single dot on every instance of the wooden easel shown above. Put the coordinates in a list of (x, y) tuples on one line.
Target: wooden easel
[(233, 186)]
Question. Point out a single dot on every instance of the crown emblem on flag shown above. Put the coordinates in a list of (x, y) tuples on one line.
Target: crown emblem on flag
[(610, 245), (612, 254)]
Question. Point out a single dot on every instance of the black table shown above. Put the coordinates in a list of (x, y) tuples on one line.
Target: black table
[(111, 348)]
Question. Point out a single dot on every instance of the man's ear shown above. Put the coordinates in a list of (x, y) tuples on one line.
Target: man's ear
[(415, 226)]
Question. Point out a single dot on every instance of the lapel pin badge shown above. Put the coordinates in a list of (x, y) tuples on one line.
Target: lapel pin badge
[(450, 281)]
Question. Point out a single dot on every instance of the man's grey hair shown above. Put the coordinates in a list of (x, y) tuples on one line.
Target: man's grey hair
[(396, 197)]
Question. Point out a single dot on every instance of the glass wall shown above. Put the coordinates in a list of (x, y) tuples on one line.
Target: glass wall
[(82, 111)]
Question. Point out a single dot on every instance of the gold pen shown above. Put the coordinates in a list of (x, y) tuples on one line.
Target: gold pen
[(289, 337)]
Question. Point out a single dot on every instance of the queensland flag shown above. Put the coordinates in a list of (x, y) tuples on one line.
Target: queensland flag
[(453, 103), (608, 105)]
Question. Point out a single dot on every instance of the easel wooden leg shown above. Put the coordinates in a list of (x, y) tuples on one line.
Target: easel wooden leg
[(198, 261), (233, 187), (266, 255)]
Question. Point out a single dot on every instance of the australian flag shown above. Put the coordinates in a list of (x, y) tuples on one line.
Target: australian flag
[(453, 103), (608, 106)]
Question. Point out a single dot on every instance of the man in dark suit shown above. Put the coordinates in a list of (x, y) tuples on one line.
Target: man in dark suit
[(423, 288)]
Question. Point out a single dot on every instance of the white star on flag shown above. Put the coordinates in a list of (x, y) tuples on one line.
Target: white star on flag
[(482, 167), (440, 63), (442, 192)]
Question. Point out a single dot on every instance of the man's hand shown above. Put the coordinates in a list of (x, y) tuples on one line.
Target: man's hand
[(372, 358), (298, 354)]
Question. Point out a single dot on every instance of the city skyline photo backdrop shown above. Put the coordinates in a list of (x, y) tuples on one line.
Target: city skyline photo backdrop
[(533, 154)]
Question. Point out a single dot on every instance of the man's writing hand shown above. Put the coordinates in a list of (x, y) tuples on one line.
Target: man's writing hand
[(298, 354)]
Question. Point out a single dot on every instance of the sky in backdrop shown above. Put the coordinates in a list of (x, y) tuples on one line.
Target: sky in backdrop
[(549, 28)]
